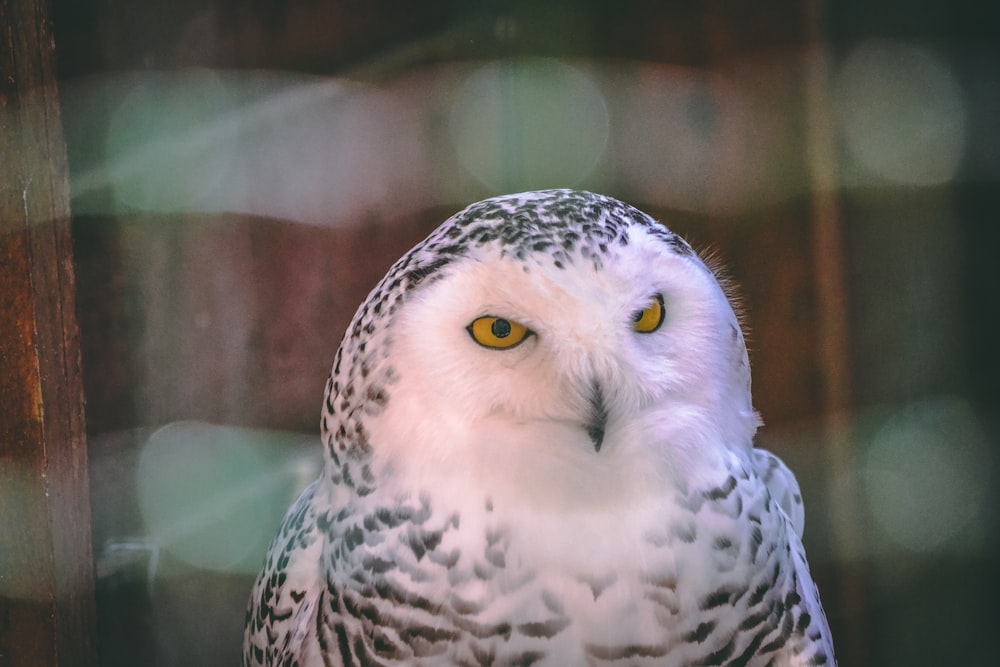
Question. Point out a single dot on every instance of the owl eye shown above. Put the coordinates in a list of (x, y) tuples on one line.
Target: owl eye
[(649, 318), (497, 333)]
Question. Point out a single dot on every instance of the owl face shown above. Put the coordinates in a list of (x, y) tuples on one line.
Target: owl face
[(610, 366)]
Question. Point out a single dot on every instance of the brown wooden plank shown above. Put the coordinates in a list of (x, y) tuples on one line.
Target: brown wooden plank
[(46, 575), (829, 255)]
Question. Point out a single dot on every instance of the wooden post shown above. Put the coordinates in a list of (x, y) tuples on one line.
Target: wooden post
[(46, 574), (828, 256)]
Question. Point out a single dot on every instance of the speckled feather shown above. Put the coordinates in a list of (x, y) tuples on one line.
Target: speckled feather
[(469, 515)]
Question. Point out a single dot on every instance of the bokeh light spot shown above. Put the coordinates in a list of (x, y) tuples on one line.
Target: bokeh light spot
[(901, 113), (213, 496), (166, 140), (926, 474), (529, 124)]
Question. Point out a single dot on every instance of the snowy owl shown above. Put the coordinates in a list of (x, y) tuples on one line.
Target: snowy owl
[(538, 451)]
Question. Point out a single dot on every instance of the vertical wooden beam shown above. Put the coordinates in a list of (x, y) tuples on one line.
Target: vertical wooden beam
[(828, 253), (46, 574)]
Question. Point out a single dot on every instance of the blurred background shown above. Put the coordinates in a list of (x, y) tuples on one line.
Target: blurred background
[(244, 171)]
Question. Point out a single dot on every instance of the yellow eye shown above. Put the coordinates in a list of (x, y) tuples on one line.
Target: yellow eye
[(497, 333), (649, 318)]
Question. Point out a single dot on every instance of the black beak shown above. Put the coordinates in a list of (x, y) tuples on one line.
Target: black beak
[(598, 417)]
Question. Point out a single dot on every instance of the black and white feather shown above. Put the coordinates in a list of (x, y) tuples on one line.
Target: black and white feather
[(574, 485)]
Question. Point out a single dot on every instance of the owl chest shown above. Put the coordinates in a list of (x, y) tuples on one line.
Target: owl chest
[(596, 563), (573, 588)]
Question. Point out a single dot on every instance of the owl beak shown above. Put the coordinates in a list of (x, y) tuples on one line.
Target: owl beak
[(598, 417)]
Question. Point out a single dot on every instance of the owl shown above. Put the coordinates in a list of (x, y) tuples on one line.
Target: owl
[(538, 438)]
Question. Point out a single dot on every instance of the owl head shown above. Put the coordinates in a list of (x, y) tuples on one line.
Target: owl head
[(557, 341)]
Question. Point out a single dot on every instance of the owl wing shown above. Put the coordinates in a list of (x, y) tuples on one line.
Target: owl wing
[(283, 603), (782, 485), (811, 643)]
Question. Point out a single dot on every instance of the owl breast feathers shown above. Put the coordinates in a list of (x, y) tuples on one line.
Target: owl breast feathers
[(538, 451)]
